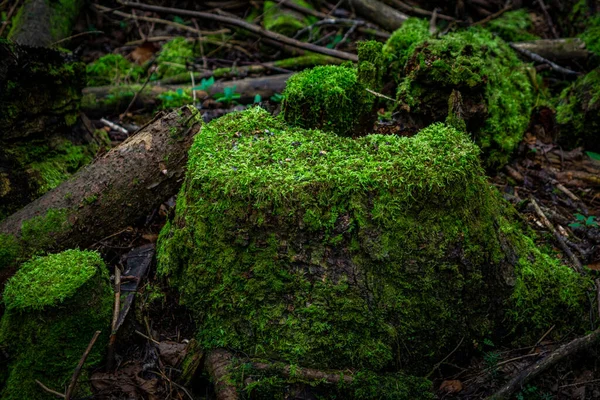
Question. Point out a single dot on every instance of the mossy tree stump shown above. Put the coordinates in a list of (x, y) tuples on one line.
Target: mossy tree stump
[(373, 255), (54, 304)]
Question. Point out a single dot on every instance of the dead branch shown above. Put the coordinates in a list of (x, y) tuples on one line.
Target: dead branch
[(568, 49), (110, 357), (383, 15), (552, 359), (400, 5), (538, 58), (232, 21), (77, 371), (217, 365)]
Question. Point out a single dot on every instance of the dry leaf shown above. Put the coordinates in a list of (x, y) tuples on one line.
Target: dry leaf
[(143, 53), (451, 386)]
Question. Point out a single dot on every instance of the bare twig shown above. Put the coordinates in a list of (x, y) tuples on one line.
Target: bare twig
[(561, 242), (552, 359), (416, 10), (114, 126), (433, 22), (77, 371), (436, 366), (538, 58), (542, 338), (47, 389), (383, 96), (110, 358), (493, 16), (147, 337), (9, 16), (548, 18), (137, 93), (247, 26)]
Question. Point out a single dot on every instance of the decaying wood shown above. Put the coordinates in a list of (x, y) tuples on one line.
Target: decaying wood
[(240, 23), (307, 373), (217, 365), (101, 99), (120, 187), (383, 15), (519, 381), (41, 23), (568, 49)]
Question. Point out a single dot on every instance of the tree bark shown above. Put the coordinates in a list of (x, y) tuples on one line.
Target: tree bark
[(114, 99), (113, 192), (41, 23), (383, 15)]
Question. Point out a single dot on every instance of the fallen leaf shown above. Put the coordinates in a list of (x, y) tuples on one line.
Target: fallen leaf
[(451, 386), (594, 266), (143, 53), (171, 353)]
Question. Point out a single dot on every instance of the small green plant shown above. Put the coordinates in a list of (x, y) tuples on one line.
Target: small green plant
[(257, 98), (583, 221), (593, 156), (177, 98), (276, 98), (205, 84), (228, 96), (530, 392), (491, 362)]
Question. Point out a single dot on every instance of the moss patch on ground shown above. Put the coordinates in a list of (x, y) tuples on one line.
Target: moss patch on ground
[(375, 254), (513, 26), (578, 112), (495, 85), (113, 69), (54, 304)]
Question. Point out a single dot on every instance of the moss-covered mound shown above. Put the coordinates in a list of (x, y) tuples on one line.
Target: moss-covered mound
[(54, 304), (375, 254), (513, 26), (112, 69), (578, 112), (495, 86), (330, 98), (285, 21)]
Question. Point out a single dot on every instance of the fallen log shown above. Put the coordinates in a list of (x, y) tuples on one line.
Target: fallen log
[(114, 99), (42, 23), (383, 15), (106, 196), (568, 49)]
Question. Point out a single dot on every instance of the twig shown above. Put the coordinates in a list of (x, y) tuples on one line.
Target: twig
[(516, 359), (433, 22), (436, 366), (566, 191), (137, 93), (416, 10), (110, 358), (553, 358), (147, 337), (579, 383), (8, 16), (542, 338), (561, 242), (47, 389), (383, 96), (193, 86), (493, 16), (548, 18), (77, 371), (247, 26), (538, 58), (114, 126), (73, 37)]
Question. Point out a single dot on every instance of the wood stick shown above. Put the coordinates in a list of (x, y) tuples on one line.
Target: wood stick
[(540, 59), (231, 21), (51, 391), (77, 371), (383, 15), (567, 49), (552, 359), (110, 358)]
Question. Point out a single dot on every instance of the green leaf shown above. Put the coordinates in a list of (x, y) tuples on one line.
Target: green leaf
[(179, 20), (205, 83), (580, 217), (593, 156), (576, 225), (257, 98), (276, 98)]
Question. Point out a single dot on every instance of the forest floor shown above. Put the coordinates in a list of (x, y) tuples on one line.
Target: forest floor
[(150, 349)]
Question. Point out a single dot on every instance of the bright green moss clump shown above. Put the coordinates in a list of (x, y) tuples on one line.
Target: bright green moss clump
[(496, 89), (578, 112), (330, 98), (175, 56), (375, 254), (591, 35), (403, 42), (54, 304), (112, 69), (287, 22)]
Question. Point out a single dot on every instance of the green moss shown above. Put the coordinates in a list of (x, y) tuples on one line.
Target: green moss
[(329, 98), (175, 55), (371, 64), (591, 35), (112, 69), (175, 98), (54, 304), (578, 112), (375, 254), (486, 72), (513, 26), (9, 250), (402, 43), (64, 13)]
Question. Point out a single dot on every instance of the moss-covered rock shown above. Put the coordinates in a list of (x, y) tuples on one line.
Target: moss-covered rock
[(375, 254), (578, 112), (113, 69), (277, 18), (495, 85), (54, 304), (330, 98), (402, 44)]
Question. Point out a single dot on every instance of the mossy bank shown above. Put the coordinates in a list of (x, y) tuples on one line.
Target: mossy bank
[(373, 255), (54, 304)]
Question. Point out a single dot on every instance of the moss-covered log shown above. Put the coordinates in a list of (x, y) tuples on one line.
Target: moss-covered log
[(41, 23), (54, 304), (578, 113), (113, 99), (496, 88), (40, 93), (120, 187), (278, 18), (375, 255)]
